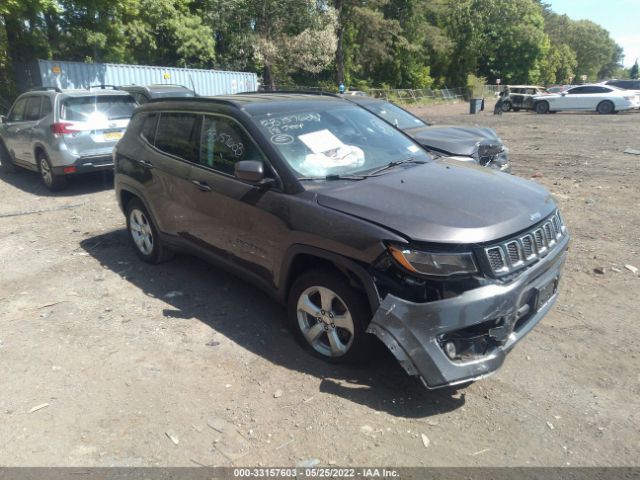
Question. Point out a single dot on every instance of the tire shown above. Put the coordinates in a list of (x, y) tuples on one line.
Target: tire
[(6, 164), (50, 179), (143, 234), (506, 106), (542, 107), (605, 108), (335, 333)]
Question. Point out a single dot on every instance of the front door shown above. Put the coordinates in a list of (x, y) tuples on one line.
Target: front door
[(235, 220)]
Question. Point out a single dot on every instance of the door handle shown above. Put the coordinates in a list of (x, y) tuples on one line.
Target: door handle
[(146, 163), (204, 186)]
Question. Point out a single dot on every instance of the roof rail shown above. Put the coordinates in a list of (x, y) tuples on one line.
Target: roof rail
[(320, 93), (102, 87), (44, 89)]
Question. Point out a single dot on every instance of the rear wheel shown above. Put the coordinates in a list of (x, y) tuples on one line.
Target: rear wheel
[(605, 107), (52, 181), (542, 107), (144, 234), (329, 317), (506, 106), (6, 164)]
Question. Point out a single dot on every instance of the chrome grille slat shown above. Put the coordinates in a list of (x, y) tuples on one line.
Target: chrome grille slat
[(515, 253)]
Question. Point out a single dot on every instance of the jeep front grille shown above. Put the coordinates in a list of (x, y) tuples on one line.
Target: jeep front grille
[(515, 253)]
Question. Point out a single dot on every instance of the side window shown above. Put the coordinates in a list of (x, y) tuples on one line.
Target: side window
[(17, 112), (576, 90), (176, 135), (148, 131), (32, 110), (46, 107), (223, 143)]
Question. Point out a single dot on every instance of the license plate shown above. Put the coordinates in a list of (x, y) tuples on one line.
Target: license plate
[(546, 292), (113, 136)]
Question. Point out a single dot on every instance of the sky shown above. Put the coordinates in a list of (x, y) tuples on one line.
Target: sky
[(620, 17)]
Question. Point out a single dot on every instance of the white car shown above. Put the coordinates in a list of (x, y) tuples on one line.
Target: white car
[(599, 98)]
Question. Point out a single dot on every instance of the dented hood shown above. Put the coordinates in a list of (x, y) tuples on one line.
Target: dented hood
[(442, 202), (453, 140)]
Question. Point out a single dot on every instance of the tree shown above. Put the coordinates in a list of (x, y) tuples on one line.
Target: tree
[(633, 72), (497, 39)]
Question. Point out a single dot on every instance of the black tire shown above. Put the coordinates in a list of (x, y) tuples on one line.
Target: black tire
[(505, 106), (542, 107), (605, 107), (51, 180), (348, 303), (6, 164), (141, 224)]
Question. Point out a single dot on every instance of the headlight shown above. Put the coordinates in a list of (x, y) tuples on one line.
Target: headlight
[(434, 264)]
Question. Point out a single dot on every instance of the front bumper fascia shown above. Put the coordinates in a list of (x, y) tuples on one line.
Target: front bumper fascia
[(412, 331)]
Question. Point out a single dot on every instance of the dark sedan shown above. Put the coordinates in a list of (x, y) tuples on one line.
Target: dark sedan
[(469, 144)]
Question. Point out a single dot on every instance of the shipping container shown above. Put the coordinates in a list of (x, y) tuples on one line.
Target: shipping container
[(69, 75)]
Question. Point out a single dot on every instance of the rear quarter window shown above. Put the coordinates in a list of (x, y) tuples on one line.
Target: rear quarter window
[(149, 124)]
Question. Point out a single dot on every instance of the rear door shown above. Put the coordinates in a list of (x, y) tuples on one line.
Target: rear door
[(27, 135), (173, 139), (95, 122), (14, 125)]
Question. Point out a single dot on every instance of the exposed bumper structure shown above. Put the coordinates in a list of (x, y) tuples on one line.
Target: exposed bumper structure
[(484, 323)]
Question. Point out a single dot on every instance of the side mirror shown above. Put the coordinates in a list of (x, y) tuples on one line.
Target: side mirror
[(251, 171)]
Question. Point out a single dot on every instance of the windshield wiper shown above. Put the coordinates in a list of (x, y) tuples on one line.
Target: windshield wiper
[(394, 164), (334, 176)]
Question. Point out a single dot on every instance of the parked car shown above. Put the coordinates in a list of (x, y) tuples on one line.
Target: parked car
[(144, 93), (599, 98), (519, 97), (348, 222), (60, 133), (625, 84), (468, 144), (557, 88)]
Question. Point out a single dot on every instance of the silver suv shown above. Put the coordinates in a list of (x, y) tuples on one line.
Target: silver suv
[(60, 133)]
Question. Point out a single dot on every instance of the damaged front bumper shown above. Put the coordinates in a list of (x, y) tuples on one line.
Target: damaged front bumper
[(482, 324)]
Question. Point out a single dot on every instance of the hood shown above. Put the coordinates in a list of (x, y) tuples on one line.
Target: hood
[(443, 201), (453, 140)]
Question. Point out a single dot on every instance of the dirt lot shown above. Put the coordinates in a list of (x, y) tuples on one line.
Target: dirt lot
[(179, 364)]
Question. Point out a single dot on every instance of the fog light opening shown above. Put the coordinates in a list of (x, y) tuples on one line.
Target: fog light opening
[(450, 350)]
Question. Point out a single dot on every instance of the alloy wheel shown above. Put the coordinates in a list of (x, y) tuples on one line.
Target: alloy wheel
[(325, 321), (141, 231)]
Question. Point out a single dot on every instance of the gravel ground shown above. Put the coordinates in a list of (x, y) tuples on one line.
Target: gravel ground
[(106, 361)]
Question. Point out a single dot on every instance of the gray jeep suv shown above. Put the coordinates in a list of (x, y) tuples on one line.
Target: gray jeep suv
[(60, 133), (349, 223)]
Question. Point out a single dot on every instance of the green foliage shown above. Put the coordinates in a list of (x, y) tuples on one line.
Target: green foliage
[(633, 72), (364, 43), (475, 85)]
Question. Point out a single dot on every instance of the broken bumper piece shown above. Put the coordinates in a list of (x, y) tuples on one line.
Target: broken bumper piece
[(465, 338)]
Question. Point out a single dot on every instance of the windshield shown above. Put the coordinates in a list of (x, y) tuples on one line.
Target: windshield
[(336, 140), (98, 107), (394, 115)]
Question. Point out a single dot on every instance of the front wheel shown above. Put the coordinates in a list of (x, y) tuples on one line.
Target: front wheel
[(542, 107), (506, 106), (329, 317), (605, 107)]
